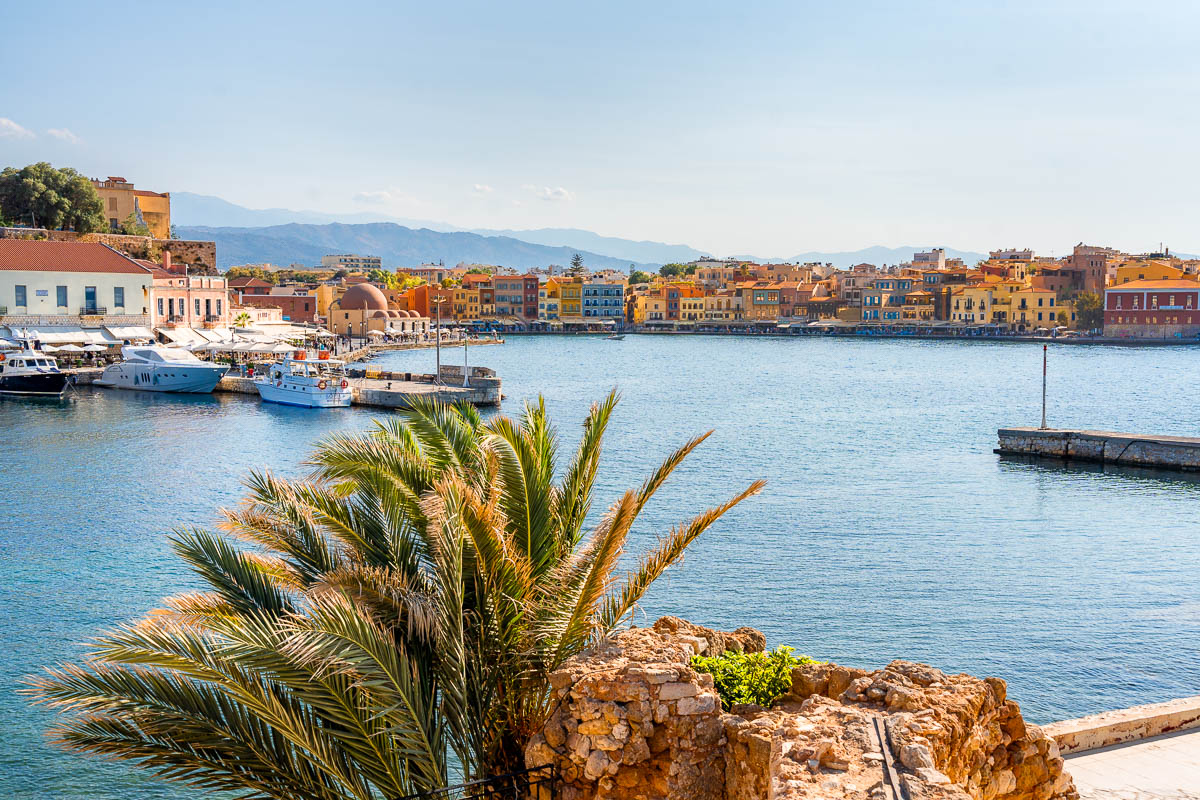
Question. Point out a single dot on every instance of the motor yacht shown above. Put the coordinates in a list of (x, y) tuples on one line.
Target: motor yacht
[(311, 383), (155, 368), (32, 373)]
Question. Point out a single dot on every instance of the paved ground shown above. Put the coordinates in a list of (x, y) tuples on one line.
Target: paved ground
[(1163, 768)]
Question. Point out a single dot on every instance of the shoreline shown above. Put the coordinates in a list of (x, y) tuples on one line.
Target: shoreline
[(1069, 340)]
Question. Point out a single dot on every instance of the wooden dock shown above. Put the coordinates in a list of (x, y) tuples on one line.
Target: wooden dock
[(1102, 447)]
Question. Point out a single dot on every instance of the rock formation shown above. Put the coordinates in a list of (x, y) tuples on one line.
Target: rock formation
[(632, 721)]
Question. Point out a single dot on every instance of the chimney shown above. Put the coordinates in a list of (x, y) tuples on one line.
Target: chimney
[(166, 260)]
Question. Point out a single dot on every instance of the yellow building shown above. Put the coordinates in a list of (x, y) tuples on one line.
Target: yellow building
[(549, 300), (649, 308), (466, 304), (973, 305), (1033, 308), (722, 307), (120, 200), (1149, 271), (571, 299), (325, 295), (691, 309)]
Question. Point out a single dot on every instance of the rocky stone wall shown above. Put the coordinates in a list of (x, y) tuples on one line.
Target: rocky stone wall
[(632, 721)]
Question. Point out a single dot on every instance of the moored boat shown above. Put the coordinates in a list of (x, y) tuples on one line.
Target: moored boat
[(309, 383), (155, 368), (29, 372)]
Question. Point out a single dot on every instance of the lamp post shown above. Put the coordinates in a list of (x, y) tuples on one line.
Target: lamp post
[(437, 342), (1043, 387), (466, 370)]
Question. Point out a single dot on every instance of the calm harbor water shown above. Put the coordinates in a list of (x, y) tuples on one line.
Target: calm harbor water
[(888, 528)]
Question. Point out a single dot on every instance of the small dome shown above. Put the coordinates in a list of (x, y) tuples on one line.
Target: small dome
[(364, 296)]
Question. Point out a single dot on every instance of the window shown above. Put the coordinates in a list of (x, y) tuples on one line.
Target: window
[(61, 300), (20, 299), (112, 204), (197, 306), (160, 306), (119, 296)]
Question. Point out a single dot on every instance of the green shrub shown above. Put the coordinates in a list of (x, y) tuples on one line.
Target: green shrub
[(757, 678)]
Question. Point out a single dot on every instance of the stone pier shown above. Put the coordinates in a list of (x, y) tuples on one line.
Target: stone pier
[(1102, 447)]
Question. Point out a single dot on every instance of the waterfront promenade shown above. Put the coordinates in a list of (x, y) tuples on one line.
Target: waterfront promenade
[(1162, 768)]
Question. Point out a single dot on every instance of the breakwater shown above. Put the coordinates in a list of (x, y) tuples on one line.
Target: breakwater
[(1102, 447)]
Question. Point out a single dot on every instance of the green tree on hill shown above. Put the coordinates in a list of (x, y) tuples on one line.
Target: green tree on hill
[(677, 270), (638, 276), (41, 196)]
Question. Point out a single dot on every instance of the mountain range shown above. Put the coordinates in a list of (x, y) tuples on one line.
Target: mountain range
[(399, 246), (284, 236)]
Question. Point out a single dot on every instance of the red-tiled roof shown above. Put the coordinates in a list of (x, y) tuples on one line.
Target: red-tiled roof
[(241, 283), (26, 254), (144, 193)]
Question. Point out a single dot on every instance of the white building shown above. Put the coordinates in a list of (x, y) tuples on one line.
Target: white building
[(46, 285), (352, 262)]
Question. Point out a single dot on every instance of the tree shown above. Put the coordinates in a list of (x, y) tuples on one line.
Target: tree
[(44, 197), (449, 283), (1089, 311), (576, 269), (1063, 317), (385, 278), (671, 270), (637, 276), (407, 602), (132, 226)]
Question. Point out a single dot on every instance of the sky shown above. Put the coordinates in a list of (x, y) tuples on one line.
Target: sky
[(766, 128)]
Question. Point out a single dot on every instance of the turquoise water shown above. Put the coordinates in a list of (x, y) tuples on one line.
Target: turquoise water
[(888, 528)]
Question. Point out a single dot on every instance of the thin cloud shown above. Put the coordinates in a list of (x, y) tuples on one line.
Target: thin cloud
[(481, 189), (64, 135), (555, 194), (11, 130)]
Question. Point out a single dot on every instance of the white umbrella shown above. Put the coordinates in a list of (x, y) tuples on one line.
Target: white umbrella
[(49, 348), (94, 348), (283, 347), (70, 348), (374, 333), (5, 344)]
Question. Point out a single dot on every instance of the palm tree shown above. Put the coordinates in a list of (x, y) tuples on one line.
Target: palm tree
[(406, 602), (242, 320)]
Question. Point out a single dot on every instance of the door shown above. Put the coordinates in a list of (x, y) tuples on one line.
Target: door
[(89, 298)]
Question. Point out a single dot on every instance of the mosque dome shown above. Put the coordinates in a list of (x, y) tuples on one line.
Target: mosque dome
[(364, 297)]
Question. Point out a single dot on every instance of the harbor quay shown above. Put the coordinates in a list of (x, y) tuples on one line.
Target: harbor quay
[(379, 389), (1102, 447)]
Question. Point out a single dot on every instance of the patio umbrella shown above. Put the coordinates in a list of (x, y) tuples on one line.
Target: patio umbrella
[(49, 348), (282, 348), (94, 348), (5, 344), (70, 348)]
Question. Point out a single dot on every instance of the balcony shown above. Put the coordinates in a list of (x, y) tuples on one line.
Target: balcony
[(93, 311)]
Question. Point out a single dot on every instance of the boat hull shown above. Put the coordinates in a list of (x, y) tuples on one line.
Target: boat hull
[(331, 397), (45, 384), (186, 379)]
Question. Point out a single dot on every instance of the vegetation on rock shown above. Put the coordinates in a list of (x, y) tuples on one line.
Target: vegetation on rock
[(758, 678)]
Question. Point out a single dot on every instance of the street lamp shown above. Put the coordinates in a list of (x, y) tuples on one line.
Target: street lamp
[(466, 369), (437, 344)]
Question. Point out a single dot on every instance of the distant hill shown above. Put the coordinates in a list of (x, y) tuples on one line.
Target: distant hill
[(399, 246), (870, 255), (194, 210), (645, 251)]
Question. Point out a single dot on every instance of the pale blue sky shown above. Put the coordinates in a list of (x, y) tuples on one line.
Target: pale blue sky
[(766, 128)]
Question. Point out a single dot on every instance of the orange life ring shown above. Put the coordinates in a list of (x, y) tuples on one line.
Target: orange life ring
[(1, 356), (321, 385), (344, 384)]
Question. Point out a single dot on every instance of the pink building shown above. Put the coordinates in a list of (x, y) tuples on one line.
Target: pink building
[(179, 300)]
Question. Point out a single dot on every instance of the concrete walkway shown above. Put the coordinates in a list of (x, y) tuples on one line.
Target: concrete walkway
[(1162, 768)]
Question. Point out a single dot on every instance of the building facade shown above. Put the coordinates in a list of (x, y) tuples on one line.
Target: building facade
[(1153, 310), (121, 199)]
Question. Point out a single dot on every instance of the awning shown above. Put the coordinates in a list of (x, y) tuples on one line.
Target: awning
[(63, 335), (183, 336), (130, 332)]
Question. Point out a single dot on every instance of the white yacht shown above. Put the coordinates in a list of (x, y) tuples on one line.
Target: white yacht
[(31, 373), (155, 368), (301, 381)]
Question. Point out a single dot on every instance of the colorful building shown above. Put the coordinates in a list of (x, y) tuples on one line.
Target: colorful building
[(1153, 309), (121, 199)]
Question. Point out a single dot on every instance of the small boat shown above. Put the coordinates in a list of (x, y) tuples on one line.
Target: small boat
[(299, 381), (155, 368), (616, 337), (29, 372)]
